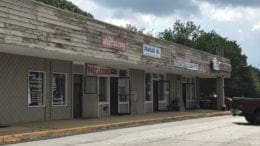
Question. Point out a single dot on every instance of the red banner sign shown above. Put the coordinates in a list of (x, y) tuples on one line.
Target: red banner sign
[(114, 42), (97, 70)]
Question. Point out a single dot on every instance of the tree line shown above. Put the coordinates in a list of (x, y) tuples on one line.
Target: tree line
[(66, 5), (245, 79)]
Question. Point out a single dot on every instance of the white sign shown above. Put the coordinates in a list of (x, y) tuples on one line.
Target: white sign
[(151, 51), (184, 64), (215, 64)]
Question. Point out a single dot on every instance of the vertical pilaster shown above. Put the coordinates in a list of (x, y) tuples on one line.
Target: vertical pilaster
[(220, 93)]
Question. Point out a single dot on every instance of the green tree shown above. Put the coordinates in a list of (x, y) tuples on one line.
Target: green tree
[(135, 28), (66, 5), (182, 33)]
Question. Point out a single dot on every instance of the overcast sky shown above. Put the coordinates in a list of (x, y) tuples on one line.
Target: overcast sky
[(238, 20)]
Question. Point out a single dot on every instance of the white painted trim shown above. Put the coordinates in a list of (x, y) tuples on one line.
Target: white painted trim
[(108, 98), (129, 96), (103, 103), (152, 80)]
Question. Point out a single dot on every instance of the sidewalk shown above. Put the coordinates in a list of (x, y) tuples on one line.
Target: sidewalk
[(50, 129)]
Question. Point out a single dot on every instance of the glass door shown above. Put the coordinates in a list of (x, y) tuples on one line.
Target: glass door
[(163, 94), (123, 95)]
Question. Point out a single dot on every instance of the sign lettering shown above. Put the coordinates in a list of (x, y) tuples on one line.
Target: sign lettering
[(97, 70), (225, 67), (151, 51), (184, 64), (215, 64), (114, 42)]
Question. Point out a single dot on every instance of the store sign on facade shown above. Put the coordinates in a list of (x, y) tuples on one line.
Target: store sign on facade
[(220, 66), (97, 70), (225, 67), (215, 64), (151, 51), (185, 64), (117, 43)]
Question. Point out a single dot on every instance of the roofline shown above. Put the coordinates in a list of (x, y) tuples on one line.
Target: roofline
[(122, 28)]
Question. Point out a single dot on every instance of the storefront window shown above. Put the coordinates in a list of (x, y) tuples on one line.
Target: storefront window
[(155, 76), (190, 89), (114, 72), (161, 77), (163, 90), (36, 88), (90, 85), (104, 89), (59, 89), (148, 85), (123, 89), (123, 73)]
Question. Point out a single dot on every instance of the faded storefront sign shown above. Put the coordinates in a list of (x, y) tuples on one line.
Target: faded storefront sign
[(97, 70), (220, 66), (181, 63), (114, 42), (151, 51), (225, 67)]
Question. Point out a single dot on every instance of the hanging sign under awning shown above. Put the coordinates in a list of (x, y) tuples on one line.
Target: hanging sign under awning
[(97, 70), (151, 51)]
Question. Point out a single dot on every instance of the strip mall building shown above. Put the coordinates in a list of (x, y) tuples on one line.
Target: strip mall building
[(58, 65)]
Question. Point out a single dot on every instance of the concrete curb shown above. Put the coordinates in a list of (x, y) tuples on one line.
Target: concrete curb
[(85, 129)]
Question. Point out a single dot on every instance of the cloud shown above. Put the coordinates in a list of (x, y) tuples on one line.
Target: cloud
[(154, 7), (235, 3), (226, 14), (256, 27)]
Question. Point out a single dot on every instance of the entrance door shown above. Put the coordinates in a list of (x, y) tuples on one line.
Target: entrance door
[(77, 96), (184, 95), (113, 95), (155, 96), (123, 95), (163, 95)]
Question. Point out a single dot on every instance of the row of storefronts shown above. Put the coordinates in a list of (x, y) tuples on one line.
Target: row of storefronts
[(58, 65)]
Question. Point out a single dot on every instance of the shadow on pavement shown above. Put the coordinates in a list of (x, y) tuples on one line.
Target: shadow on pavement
[(245, 124)]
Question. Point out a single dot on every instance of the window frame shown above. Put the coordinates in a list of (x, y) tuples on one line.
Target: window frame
[(165, 89), (84, 84), (151, 88), (66, 89), (107, 78), (44, 89)]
